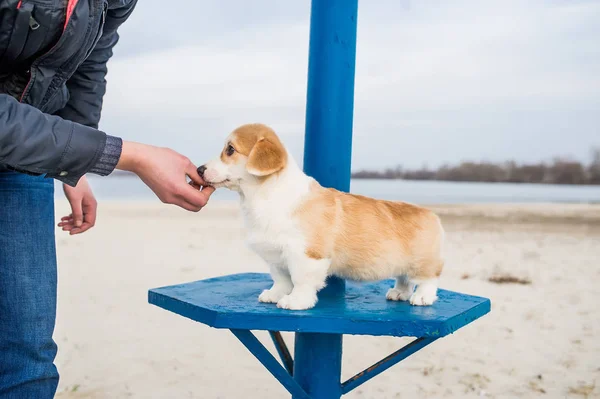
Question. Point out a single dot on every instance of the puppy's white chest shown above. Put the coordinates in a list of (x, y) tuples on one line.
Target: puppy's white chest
[(270, 234), (273, 232)]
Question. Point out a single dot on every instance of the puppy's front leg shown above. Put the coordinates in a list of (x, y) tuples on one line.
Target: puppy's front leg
[(308, 276), (282, 285)]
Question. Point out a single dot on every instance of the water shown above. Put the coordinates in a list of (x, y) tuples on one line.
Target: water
[(125, 188)]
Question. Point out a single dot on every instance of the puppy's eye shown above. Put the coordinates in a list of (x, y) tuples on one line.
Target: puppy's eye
[(230, 150)]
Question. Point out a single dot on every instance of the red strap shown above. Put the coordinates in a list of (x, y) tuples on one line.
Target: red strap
[(70, 7)]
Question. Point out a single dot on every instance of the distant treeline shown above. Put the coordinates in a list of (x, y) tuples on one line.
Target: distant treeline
[(559, 171)]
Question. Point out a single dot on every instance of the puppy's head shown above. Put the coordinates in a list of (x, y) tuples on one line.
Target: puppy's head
[(251, 154)]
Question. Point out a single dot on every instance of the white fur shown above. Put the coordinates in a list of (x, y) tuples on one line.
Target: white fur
[(425, 294), (402, 291)]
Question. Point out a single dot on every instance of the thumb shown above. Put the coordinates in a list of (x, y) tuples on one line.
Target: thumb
[(192, 172), (77, 213)]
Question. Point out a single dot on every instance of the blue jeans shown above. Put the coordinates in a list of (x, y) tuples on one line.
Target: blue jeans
[(27, 287)]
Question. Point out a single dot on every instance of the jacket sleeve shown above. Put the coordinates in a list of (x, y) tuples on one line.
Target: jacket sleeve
[(37, 143)]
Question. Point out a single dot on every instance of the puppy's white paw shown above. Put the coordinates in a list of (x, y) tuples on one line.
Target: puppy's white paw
[(297, 302), (271, 296), (421, 299), (395, 294)]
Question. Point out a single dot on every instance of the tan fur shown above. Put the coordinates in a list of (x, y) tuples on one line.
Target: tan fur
[(265, 152), (266, 158), (357, 233)]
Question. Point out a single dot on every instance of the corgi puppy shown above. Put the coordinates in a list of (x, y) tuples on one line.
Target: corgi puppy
[(306, 232)]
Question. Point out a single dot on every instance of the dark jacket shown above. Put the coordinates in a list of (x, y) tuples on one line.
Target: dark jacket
[(53, 56)]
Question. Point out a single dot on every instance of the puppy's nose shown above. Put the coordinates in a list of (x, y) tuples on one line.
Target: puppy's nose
[(201, 170)]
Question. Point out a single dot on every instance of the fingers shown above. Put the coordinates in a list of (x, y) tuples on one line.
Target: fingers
[(83, 208), (90, 207), (208, 191), (77, 213), (68, 223), (72, 229), (78, 230), (192, 173), (191, 198), (170, 185), (65, 220), (188, 206), (89, 218), (192, 203), (197, 197)]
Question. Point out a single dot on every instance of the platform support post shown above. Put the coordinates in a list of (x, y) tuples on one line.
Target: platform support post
[(327, 158), (318, 364)]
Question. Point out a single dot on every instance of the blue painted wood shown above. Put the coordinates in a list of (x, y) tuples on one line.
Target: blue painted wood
[(385, 364), (271, 364), (318, 364), (232, 302), (283, 351)]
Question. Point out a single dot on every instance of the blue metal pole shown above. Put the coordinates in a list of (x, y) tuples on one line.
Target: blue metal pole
[(327, 158), (318, 364), (330, 94)]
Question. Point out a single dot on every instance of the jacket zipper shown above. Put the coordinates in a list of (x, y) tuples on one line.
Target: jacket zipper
[(33, 24), (100, 29)]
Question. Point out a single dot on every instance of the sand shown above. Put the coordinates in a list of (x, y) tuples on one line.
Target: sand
[(540, 340)]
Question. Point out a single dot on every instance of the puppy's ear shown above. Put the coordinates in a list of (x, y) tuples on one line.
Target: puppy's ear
[(266, 158)]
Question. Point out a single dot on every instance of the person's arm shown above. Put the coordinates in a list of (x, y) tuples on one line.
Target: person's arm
[(36, 143)]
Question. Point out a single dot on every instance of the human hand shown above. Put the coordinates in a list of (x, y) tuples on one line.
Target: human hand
[(83, 208), (164, 171)]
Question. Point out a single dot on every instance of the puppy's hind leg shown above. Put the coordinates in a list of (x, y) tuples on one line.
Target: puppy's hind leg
[(426, 279), (282, 285), (308, 276), (426, 292), (402, 291)]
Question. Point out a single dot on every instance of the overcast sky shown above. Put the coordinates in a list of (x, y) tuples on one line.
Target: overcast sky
[(436, 81)]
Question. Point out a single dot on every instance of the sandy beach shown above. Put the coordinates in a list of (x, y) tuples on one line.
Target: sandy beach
[(540, 339)]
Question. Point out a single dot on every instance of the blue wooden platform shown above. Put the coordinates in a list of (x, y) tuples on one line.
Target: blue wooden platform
[(232, 302)]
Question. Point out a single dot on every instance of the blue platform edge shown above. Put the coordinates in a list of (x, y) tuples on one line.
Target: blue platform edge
[(232, 302)]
